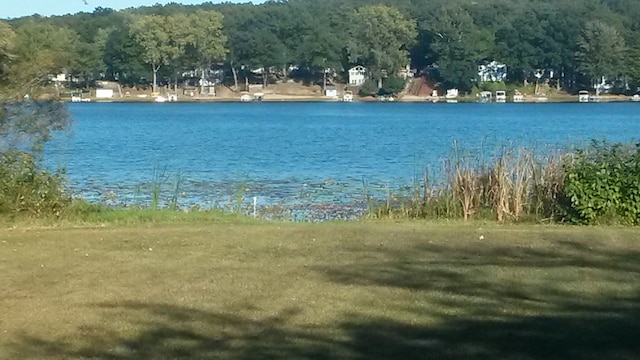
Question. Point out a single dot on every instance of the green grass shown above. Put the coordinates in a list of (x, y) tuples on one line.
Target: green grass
[(363, 290)]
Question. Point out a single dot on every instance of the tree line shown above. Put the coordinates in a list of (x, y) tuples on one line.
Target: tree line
[(573, 44)]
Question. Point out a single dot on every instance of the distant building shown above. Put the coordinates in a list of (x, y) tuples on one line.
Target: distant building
[(492, 72), (107, 89), (331, 91), (452, 93), (104, 93), (357, 75), (60, 78), (407, 73)]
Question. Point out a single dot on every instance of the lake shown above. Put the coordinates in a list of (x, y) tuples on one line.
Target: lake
[(302, 152)]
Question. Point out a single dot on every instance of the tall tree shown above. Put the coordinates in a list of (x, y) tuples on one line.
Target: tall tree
[(380, 37), (123, 56), (322, 41), (601, 51), (205, 41), (41, 49), (89, 63), (257, 47), (458, 46), (160, 39)]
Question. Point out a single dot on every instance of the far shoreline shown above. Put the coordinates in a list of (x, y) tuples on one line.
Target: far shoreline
[(320, 99)]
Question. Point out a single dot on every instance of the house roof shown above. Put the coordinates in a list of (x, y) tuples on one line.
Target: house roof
[(358, 68)]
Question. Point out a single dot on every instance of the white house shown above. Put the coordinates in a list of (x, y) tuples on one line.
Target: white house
[(357, 75)]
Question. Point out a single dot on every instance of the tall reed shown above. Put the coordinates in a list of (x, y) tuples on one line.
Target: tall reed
[(157, 182), (516, 183), (464, 178)]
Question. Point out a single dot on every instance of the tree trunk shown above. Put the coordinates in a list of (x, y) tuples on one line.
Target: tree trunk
[(265, 78), (324, 81), (155, 77), (202, 80), (235, 76)]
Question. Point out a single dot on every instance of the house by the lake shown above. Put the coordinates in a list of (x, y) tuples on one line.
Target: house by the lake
[(357, 75)]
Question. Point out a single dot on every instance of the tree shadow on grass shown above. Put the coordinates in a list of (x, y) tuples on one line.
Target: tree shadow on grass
[(170, 332), (563, 301), (161, 331), (598, 333)]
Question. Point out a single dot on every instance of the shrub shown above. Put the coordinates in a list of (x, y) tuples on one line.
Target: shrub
[(603, 184), (493, 86), (25, 188), (369, 88), (392, 85)]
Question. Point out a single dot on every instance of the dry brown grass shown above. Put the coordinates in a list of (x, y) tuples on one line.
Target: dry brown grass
[(350, 291)]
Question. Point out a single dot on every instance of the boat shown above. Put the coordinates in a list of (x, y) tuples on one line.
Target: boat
[(485, 96), (78, 96), (635, 97), (583, 96), (247, 98), (168, 98), (348, 96), (501, 96), (518, 97)]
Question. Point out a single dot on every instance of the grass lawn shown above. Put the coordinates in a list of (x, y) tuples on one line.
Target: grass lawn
[(382, 290)]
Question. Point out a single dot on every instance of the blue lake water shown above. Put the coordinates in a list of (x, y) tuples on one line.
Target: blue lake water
[(287, 152)]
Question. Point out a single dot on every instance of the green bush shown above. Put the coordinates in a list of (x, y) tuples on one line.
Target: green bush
[(602, 184), (26, 188), (493, 86), (369, 88), (392, 85)]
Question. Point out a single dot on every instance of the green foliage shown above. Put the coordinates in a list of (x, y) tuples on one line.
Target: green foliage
[(39, 50), (579, 40), (603, 184), (493, 86), (7, 37), (27, 126), (392, 85), (369, 88), (380, 37), (162, 39), (459, 45), (601, 51), (27, 189), (205, 40), (123, 56)]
